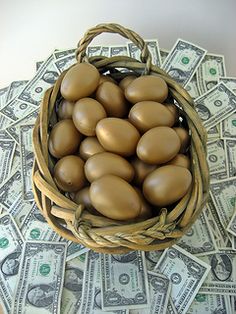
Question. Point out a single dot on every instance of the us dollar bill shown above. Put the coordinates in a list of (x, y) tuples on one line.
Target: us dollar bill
[(222, 276), (64, 63), (216, 158), (183, 61), (91, 301), (60, 54), (16, 109), (10, 189), (163, 53), (171, 308), (230, 82), (232, 225), (14, 89), (44, 78), (230, 148), (153, 47), (124, 281), (228, 126), (73, 285), (223, 196), (192, 88), (105, 52), (215, 105), (27, 160), (41, 277), (3, 92), (19, 209), (94, 51), (11, 242), (74, 250), (213, 133), (14, 128), (199, 239), (159, 294), (7, 148), (38, 65), (151, 258), (4, 135), (186, 273), (35, 227), (209, 304), (209, 71), (16, 161), (4, 121), (118, 50)]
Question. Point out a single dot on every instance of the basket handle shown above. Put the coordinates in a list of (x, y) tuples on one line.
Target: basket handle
[(145, 55)]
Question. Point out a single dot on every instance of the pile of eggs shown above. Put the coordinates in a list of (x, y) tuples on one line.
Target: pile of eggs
[(120, 149)]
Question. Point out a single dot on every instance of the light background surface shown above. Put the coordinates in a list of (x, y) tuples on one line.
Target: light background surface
[(31, 29)]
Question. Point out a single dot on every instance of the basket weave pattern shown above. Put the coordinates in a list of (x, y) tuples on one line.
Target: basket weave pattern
[(73, 221)]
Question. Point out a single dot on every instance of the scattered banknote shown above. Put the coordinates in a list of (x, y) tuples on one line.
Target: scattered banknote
[(232, 225), (211, 68), (118, 50), (228, 127), (11, 242), (3, 93), (19, 209), (74, 250), (4, 135), (163, 53), (10, 189), (215, 105), (230, 82), (192, 88), (14, 89), (216, 158), (4, 121), (186, 273), (213, 133), (16, 161), (41, 277), (16, 109), (64, 63), (230, 149), (7, 149), (59, 54), (27, 160), (152, 257), (183, 61), (38, 64), (105, 52), (94, 51)]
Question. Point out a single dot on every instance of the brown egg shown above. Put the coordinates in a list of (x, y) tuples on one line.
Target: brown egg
[(117, 136), (147, 87), (83, 197), (174, 110), (146, 211), (184, 138), (64, 139), (126, 81), (180, 160), (80, 81), (146, 115), (89, 147), (158, 145), (108, 163), (86, 114), (141, 170), (166, 185), (112, 98), (69, 173), (114, 198), (106, 78), (65, 109)]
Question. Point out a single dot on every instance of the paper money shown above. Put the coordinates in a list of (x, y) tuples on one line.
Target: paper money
[(230, 147), (171, 308), (44, 78), (10, 189), (192, 88), (59, 54), (73, 285), (213, 133), (118, 50), (228, 126), (222, 276), (183, 61), (105, 52), (232, 225), (159, 294), (4, 135), (124, 281), (209, 71), (74, 250), (41, 277), (163, 53), (38, 64), (16, 109), (93, 51), (215, 105), (65, 62), (7, 148), (16, 161), (186, 273), (11, 242), (27, 160), (210, 304), (199, 240), (216, 158), (14, 89), (152, 257), (3, 92), (4, 121), (19, 209), (230, 82)]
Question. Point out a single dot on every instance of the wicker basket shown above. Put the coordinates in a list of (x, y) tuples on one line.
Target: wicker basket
[(101, 234)]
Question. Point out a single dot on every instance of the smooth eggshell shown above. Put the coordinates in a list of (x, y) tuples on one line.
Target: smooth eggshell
[(141, 170), (117, 136), (184, 138), (112, 98), (69, 173), (147, 87), (65, 109), (64, 139), (146, 115), (114, 198), (83, 197), (174, 110), (89, 147), (180, 160), (108, 163), (166, 185), (106, 78), (158, 145), (146, 211), (80, 81), (87, 112), (126, 81)]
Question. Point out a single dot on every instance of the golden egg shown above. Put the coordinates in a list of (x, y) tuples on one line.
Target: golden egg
[(184, 138), (89, 147), (65, 109), (126, 81), (180, 160), (141, 170)]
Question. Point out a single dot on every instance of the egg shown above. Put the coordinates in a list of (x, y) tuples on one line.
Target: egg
[(146, 115), (126, 81), (166, 185), (158, 145), (83, 197), (89, 147), (69, 173), (64, 139), (117, 136), (174, 110), (112, 98), (146, 211), (108, 163), (115, 198), (80, 81), (141, 170), (106, 78), (86, 114), (65, 109), (147, 87), (180, 160), (184, 138)]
